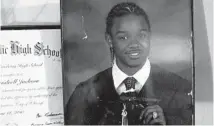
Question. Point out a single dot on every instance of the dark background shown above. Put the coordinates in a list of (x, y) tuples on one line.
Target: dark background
[(171, 46)]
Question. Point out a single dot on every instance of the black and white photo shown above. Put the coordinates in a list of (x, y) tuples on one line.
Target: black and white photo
[(127, 62)]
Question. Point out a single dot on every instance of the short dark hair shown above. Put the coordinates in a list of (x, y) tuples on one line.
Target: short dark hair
[(123, 9)]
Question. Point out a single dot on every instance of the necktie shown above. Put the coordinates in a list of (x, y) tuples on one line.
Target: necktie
[(130, 83)]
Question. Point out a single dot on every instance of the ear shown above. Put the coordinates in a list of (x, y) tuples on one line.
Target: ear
[(108, 40)]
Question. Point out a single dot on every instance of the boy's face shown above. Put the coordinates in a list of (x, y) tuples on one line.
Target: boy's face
[(130, 38)]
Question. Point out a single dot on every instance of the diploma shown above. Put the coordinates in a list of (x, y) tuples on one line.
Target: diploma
[(31, 78)]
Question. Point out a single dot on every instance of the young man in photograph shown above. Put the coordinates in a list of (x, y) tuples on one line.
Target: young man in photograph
[(133, 91)]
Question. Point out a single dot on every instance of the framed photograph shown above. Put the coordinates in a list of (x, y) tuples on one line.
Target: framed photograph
[(128, 62)]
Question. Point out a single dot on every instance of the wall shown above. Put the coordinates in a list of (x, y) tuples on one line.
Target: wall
[(203, 67)]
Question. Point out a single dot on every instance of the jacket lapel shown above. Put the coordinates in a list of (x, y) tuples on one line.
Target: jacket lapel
[(109, 99), (162, 89)]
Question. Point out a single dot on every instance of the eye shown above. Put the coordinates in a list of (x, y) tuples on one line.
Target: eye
[(142, 35), (122, 37)]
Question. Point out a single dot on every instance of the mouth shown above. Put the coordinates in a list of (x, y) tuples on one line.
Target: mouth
[(134, 54)]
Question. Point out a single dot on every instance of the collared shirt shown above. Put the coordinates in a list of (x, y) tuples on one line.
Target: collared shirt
[(141, 76)]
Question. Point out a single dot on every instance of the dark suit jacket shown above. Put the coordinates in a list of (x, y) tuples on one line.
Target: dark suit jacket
[(95, 101)]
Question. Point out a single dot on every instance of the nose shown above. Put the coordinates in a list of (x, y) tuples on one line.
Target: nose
[(134, 45)]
